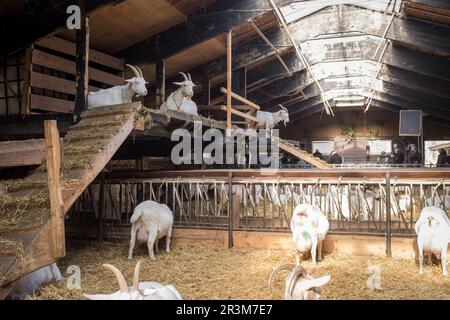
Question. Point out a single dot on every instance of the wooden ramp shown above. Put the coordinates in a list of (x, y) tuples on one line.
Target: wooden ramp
[(283, 144), (30, 238), (303, 155)]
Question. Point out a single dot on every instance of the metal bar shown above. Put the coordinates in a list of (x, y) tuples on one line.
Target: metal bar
[(388, 216), (267, 41), (229, 76), (101, 208), (230, 210)]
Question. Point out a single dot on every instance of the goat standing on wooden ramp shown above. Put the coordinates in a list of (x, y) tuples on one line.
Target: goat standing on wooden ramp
[(32, 281), (433, 235), (309, 227), (268, 120), (139, 291), (299, 284), (119, 94), (150, 222)]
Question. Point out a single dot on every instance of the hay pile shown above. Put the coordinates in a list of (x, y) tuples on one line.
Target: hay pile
[(204, 272)]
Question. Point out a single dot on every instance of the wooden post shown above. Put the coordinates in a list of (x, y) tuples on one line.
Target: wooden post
[(82, 62), (54, 186), (160, 82), (229, 77), (388, 216), (26, 87)]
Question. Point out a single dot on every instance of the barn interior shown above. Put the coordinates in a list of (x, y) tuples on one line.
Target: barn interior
[(360, 78)]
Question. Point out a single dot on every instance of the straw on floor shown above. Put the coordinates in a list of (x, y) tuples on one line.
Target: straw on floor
[(205, 272)]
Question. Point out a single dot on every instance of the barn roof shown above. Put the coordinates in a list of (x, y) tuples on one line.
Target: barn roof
[(392, 53)]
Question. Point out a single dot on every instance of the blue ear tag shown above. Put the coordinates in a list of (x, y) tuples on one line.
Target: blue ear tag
[(306, 235)]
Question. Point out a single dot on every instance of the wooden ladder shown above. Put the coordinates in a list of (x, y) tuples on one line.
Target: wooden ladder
[(303, 155), (31, 216)]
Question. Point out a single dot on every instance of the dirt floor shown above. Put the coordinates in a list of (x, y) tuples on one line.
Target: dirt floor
[(205, 272)]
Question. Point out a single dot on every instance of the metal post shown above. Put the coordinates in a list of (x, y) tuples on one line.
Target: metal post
[(101, 207), (388, 216), (230, 210), (229, 76)]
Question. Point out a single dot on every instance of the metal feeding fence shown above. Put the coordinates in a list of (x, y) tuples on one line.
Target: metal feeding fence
[(387, 206)]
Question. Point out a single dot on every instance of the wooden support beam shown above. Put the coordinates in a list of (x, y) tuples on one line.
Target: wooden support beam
[(160, 82), (241, 99), (229, 76), (240, 114), (216, 19), (82, 62), (267, 41), (54, 187), (220, 107), (22, 153)]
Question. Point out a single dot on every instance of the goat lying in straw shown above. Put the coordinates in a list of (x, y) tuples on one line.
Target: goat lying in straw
[(139, 291), (299, 284)]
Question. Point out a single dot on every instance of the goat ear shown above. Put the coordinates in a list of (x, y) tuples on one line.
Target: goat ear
[(315, 283), (130, 80), (178, 83)]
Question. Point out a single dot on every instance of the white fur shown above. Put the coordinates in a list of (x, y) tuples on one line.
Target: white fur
[(436, 201), (119, 94), (150, 222), (31, 282), (309, 227), (269, 120), (139, 290), (299, 284), (433, 235), (181, 99)]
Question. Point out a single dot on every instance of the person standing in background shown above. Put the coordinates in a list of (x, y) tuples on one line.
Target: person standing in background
[(317, 154), (442, 160)]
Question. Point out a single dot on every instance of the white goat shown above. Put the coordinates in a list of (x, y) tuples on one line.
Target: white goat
[(139, 290), (181, 99), (299, 284), (239, 190), (32, 281), (119, 94), (309, 227), (438, 201), (269, 120), (433, 235), (150, 222)]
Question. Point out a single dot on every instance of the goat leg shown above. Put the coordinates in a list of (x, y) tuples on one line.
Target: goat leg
[(319, 249), (420, 249), (444, 261), (168, 236), (134, 230), (151, 241), (313, 253)]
